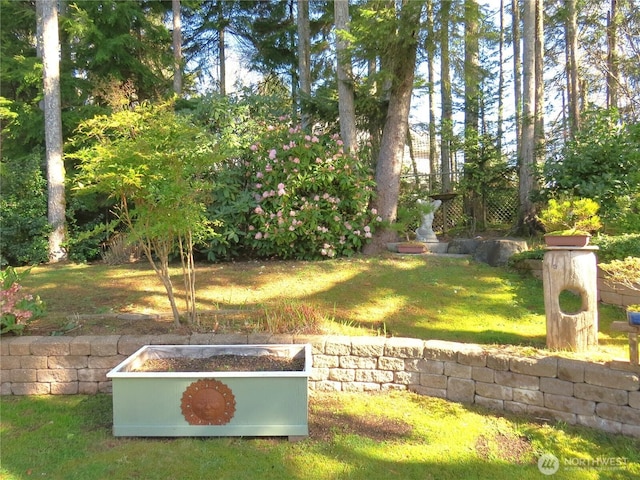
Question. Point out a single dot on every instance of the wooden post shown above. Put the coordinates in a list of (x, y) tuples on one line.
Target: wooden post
[(573, 269)]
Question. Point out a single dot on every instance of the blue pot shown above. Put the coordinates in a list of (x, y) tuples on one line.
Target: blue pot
[(634, 318)]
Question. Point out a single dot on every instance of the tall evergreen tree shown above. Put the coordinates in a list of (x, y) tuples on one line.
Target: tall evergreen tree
[(346, 105), (48, 16), (403, 45)]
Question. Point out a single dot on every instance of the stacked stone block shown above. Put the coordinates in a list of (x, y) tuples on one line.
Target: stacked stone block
[(605, 397)]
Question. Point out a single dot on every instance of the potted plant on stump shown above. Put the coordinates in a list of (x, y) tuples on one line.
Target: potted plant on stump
[(569, 221), (626, 273)]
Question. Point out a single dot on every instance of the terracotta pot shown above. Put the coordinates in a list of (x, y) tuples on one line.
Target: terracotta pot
[(411, 248), (567, 240)]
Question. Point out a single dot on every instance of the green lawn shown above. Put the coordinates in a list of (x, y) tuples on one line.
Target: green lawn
[(356, 436), (426, 297), (391, 435)]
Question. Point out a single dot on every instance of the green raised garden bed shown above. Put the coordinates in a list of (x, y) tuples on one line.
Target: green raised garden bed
[(224, 402)]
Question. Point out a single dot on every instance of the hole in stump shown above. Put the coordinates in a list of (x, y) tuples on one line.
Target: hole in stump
[(570, 302)]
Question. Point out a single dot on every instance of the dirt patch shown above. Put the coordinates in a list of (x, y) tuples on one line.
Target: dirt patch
[(326, 420), (510, 448), (223, 363)]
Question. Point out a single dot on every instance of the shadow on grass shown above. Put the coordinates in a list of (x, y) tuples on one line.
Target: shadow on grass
[(72, 439), (426, 297)]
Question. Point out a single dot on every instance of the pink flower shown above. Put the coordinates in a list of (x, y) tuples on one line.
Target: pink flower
[(314, 139), (268, 168), (258, 185), (253, 147), (259, 175), (258, 236), (259, 210), (367, 228), (374, 211), (296, 160), (272, 153)]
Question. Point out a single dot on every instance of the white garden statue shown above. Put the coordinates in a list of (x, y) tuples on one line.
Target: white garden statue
[(425, 232)]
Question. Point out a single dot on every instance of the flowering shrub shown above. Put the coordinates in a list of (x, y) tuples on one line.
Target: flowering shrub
[(16, 307), (311, 197)]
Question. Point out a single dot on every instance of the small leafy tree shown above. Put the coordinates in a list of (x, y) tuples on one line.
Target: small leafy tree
[(155, 163)]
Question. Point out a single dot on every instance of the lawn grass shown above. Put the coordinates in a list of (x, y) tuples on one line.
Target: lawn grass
[(359, 436), (356, 436), (427, 297)]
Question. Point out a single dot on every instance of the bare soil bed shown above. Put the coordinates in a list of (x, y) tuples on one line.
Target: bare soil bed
[(223, 363)]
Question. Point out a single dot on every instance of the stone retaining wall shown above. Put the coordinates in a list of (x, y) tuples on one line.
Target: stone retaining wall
[(605, 397)]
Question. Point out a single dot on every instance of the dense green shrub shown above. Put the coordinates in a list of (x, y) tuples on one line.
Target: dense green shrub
[(602, 163), (610, 248), (23, 211), (617, 247), (311, 197)]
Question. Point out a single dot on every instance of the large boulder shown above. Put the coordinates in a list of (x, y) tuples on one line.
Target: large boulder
[(464, 245), (496, 252)]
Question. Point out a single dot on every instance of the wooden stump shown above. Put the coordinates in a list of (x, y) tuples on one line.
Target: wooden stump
[(573, 269)]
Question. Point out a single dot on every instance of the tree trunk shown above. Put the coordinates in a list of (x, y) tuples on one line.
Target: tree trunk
[(404, 48), (500, 127), (527, 142), (446, 99), (431, 49), (345, 83), (517, 74), (53, 130), (222, 51), (539, 148), (575, 271), (304, 57), (572, 68), (471, 75), (472, 203), (177, 47), (612, 56)]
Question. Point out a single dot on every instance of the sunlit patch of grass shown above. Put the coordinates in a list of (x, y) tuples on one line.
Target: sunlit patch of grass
[(427, 297), (353, 435)]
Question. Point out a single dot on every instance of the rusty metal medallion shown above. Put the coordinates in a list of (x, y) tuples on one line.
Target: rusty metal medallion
[(208, 402)]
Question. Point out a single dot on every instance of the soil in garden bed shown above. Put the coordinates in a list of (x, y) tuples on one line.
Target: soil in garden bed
[(223, 363)]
